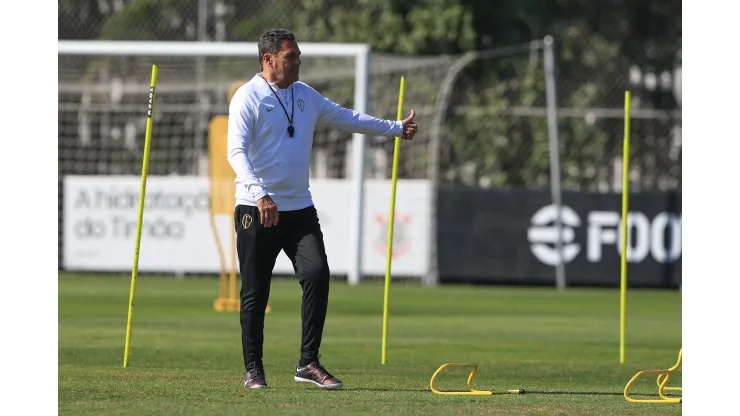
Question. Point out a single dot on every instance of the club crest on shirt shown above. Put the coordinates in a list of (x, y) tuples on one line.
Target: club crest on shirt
[(246, 221), (301, 104)]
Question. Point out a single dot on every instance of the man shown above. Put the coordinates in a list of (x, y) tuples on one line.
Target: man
[(271, 124)]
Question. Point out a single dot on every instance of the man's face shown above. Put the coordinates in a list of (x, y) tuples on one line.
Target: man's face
[(286, 64)]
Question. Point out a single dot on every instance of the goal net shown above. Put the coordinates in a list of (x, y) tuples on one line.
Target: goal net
[(103, 94)]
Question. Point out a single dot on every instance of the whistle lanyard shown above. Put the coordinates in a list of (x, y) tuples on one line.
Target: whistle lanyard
[(291, 129)]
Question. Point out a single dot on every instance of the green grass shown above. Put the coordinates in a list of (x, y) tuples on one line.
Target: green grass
[(562, 348)]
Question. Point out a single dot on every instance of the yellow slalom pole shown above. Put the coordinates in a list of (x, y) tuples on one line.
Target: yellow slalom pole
[(389, 255), (142, 193), (625, 195)]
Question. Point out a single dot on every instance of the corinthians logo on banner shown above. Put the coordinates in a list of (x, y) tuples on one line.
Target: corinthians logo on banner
[(401, 241)]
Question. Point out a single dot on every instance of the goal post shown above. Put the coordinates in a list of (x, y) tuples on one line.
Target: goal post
[(200, 50)]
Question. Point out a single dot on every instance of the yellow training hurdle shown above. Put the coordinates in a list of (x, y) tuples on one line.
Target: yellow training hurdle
[(663, 377), (471, 391)]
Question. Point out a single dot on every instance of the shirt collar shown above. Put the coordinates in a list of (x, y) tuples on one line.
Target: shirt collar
[(272, 84)]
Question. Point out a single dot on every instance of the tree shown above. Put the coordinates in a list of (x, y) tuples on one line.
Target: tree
[(597, 44), (594, 55), (79, 19)]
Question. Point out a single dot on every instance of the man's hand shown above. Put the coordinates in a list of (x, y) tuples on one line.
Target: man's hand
[(409, 127), (268, 211)]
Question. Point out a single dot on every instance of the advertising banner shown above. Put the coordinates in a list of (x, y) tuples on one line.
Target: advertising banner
[(510, 236), (100, 222)]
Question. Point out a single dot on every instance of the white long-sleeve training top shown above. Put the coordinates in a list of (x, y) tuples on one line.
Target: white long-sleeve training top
[(267, 161)]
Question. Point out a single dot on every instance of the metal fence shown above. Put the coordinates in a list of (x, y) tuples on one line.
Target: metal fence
[(495, 127), (101, 99), (493, 132)]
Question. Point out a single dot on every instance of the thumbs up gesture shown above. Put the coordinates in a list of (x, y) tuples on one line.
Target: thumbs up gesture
[(409, 127)]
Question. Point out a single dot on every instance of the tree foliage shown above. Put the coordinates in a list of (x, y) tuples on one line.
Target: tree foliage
[(597, 44)]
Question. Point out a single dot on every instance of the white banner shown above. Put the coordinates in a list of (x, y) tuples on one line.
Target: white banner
[(412, 223), (100, 220)]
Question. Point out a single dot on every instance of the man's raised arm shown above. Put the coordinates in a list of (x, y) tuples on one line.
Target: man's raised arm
[(332, 114)]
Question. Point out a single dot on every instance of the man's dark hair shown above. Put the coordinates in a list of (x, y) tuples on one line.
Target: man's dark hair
[(270, 42)]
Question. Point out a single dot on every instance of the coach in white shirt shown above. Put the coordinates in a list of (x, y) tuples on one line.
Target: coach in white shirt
[(271, 125)]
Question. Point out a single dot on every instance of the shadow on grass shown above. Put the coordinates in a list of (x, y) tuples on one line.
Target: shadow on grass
[(578, 393), (526, 393), (597, 393), (381, 389), (583, 393)]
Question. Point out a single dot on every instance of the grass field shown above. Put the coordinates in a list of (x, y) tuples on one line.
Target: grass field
[(562, 348)]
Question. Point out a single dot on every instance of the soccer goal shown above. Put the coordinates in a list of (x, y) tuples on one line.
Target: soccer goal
[(103, 89)]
